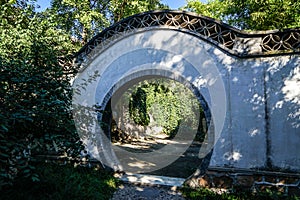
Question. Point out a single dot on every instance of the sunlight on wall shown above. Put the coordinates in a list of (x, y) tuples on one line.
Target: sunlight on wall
[(291, 87)]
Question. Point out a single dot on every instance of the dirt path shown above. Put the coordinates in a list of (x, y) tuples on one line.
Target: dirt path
[(183, 167), (138, 192)]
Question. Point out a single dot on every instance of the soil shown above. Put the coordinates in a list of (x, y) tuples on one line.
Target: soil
[(183, 167)]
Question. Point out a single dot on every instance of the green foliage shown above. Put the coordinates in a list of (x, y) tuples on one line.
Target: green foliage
[(126, 8), (251, 14), (167, 101), (214, 8), (63, 182), (35, 93), (84, 18), (138, 107), (207, 194)]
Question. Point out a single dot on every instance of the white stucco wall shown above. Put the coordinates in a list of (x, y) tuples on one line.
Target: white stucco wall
[(254, 103), (283, 105)]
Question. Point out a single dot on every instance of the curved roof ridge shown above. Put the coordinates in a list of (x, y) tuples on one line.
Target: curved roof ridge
[(231, 40)]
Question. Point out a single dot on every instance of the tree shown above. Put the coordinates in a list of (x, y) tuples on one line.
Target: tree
[(251, 14), (35, 92), (126, 8), (214, 8), (83, 19)]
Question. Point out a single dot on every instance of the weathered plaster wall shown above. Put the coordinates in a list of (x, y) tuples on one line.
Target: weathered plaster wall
[(254, 102), (283, 107), (263, 112)]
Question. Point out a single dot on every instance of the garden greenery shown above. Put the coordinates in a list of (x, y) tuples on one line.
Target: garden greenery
[(251, 14), (35, 91), (167, 101)]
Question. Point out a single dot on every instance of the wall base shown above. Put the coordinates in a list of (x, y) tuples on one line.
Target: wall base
[(247, 180)]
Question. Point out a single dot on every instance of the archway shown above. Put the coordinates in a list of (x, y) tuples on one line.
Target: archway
[(235, 73), (142, 61), (127, 134)]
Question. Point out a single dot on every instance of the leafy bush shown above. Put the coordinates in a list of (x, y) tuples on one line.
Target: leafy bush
[(63, 182), (35, 92), (168, 102), (207, 194)]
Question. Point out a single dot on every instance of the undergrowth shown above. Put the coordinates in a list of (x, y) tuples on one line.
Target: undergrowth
[(206, 194), (63, 182)]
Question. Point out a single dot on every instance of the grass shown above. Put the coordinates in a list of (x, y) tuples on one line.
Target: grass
[(63, 182), (206, 194), (60, 182)]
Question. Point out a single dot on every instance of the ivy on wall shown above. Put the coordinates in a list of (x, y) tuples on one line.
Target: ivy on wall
[(167, 101)]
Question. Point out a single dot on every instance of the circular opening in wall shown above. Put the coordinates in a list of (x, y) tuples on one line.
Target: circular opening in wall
[(148, 114)]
